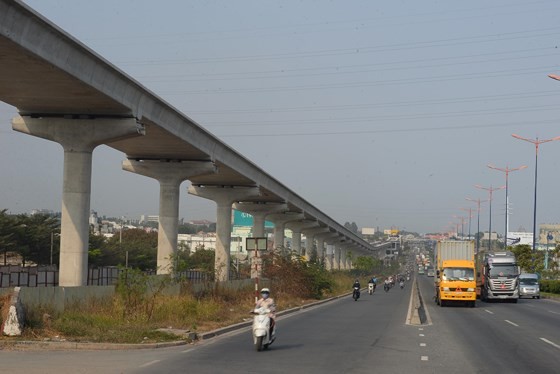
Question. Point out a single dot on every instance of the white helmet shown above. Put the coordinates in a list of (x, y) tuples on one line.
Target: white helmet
[(265, 290)]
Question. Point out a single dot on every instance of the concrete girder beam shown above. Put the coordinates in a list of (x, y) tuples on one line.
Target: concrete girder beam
[(224, 197), (170, 175), (78, 138)]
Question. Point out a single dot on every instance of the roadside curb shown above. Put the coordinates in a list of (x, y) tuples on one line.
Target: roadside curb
[(66, 345)]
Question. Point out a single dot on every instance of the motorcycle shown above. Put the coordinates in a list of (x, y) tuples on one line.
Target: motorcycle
[(261, 329), (371, 288), (386, 287), (356, 293), (401, 284)]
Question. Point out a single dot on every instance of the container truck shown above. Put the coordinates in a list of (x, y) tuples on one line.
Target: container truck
[(455, 273), (497, 276)]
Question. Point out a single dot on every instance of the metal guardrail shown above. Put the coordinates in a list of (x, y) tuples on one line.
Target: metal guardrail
[(47, 276)]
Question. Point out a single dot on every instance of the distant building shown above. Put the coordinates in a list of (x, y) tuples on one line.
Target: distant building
[(146, 218), (45, 212), (200, 222), (201, 240)]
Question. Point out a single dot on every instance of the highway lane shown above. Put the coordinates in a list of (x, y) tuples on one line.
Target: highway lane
[(344, 336), (501, 337)]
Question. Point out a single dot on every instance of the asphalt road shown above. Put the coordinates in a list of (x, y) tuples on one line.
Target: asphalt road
[(343, 336)]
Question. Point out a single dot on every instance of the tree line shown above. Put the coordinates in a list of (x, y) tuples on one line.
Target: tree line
[(35, 240)]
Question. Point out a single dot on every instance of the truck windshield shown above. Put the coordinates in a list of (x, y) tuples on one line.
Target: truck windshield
[(503, 271), (462, 274)]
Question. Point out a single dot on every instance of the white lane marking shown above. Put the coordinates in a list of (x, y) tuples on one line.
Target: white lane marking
[(552, 311), (511, 323), (421, 329), (420, 334), (150, 363), (422, 344), (424, 358), (551, 343), (488, 311)]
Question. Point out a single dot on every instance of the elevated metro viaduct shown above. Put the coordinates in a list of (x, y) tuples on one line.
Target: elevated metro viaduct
[(66, 93)]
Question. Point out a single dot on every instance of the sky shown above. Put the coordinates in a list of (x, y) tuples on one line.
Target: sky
[(381, 113)]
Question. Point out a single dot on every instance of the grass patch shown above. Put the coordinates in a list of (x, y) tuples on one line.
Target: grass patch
[(141, 306)]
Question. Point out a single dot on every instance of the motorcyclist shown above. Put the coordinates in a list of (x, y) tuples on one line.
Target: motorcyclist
[(387, 284), (356, 284), (268, 302), (374, 281)]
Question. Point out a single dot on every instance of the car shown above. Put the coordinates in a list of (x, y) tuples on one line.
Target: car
[(430, 273), (529, 285)]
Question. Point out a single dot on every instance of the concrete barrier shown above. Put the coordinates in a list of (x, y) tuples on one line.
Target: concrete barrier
[(416, 313)]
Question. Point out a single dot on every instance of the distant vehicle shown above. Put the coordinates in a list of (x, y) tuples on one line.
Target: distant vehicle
[(420, 269), (431, 273), (499, 273), (529, 285)]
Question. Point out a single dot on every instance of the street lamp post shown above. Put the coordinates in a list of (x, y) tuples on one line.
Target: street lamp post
[(462, 226), (490, 192), (477, 201), (536, 142), (470, 216), (507, 170)]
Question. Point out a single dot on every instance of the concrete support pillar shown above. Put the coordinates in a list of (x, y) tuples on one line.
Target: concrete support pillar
[(337, 256), (78, 138), (322, 252), (224, 196), (259, 211), (329, 253), (296, 242), (297, 227), (310, 235), (280, 220), (170, 175)]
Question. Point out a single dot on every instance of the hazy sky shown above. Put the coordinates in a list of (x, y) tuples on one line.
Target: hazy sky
[(383, 113)]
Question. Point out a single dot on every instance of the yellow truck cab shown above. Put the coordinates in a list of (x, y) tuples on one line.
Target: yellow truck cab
[(455, 275), (455, 282)]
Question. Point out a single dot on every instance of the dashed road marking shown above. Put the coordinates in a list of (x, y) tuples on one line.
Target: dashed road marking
[(551, 343), (422, 344), (553, 312), (420, 334), (488, 311), (421, 329), (424, 358), (511, 323), (150, 363)]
